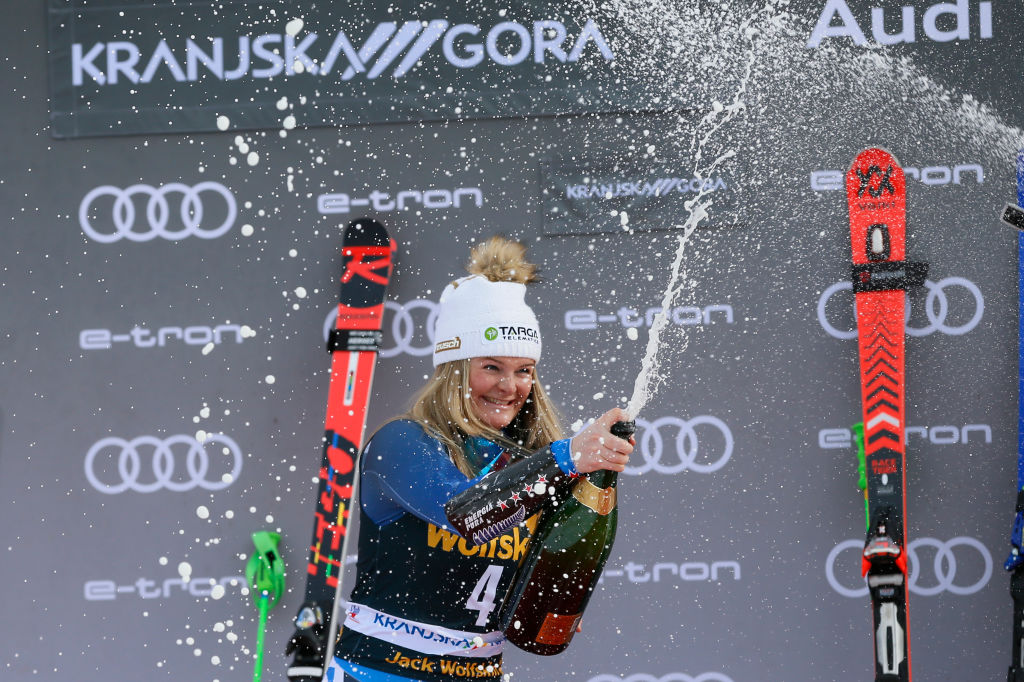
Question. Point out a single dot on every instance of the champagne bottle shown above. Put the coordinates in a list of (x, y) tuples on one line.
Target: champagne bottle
[(566, 556)]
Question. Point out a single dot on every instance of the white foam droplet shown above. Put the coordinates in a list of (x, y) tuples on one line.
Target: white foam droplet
[(282, 104), (632, 333), (300, 292), (162, 561), (247, 230), (252, 159), (201, 436), (288, 122), (269, 379), (217, 592), (293, 27), (185, 571), (208, 348), (202, 512), (223, 122), (598, 395)]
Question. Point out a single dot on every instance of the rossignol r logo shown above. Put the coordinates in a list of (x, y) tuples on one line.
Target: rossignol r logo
[(884, 184), (364, 261)]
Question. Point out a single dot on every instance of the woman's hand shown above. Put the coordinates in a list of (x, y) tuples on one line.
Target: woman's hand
[(595, 447)]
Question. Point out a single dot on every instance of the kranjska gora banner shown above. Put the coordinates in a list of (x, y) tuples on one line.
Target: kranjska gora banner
[(127, 67)]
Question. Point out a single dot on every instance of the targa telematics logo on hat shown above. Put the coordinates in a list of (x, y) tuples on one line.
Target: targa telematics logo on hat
[(503, 334)]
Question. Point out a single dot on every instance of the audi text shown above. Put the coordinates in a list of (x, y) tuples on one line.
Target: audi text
[(941, 22)]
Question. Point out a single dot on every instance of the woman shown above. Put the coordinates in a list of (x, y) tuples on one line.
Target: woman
[(449, 492)]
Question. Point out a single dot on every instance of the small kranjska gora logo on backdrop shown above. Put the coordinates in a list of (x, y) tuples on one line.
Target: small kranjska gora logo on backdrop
[(502, 334)]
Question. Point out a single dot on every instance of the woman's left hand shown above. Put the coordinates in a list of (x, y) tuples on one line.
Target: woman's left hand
[(596, 448)]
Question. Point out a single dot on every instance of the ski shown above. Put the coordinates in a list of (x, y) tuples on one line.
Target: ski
[(1013, 215), (368, 255), (876, 195)]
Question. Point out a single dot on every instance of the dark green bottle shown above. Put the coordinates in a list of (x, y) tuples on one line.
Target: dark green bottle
[(566, 556)]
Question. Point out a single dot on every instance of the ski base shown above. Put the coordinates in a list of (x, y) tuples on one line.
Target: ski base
[(880, 273), (368, 255)]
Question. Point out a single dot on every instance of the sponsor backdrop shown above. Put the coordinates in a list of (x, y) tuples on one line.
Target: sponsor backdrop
[(176, 180)]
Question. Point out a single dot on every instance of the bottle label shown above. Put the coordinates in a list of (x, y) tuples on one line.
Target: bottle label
[(557, 628), (601, 500)]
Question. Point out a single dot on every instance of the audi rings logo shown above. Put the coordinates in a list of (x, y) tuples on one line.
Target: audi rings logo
[(941, 299), (702, 444), (962, 566), (408, 327), (121, 461), (669, 677), (109, 221)]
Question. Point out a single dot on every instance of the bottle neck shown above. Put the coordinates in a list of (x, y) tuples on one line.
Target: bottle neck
[(603, 478)]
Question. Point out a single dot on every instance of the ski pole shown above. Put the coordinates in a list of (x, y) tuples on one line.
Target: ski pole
[(265, 573), (862, 468)]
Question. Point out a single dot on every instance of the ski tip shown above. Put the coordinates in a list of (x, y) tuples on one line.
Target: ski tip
[(366, 232), (873, 155)]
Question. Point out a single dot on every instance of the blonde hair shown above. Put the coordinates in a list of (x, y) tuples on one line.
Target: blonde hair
[(444, 406), (501, 260)]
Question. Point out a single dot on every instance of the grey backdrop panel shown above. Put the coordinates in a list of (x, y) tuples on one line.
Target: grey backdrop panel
[(736, 558)]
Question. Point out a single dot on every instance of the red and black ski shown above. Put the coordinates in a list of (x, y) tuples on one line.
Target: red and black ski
[(876, 194), (368, 255)]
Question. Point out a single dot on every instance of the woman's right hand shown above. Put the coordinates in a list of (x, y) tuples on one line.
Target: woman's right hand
[(595, 447)]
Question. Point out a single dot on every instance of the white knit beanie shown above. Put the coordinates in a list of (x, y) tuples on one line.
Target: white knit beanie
[(479, 318)]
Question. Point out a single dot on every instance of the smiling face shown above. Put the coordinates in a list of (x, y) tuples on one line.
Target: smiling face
[(499, 387)]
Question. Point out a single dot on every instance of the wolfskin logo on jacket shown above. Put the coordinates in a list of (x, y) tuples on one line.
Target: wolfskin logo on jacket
[(450, 344), (272, 54), (512, 545)]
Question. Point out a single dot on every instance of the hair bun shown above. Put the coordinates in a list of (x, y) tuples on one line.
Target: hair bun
[(501, 260)]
